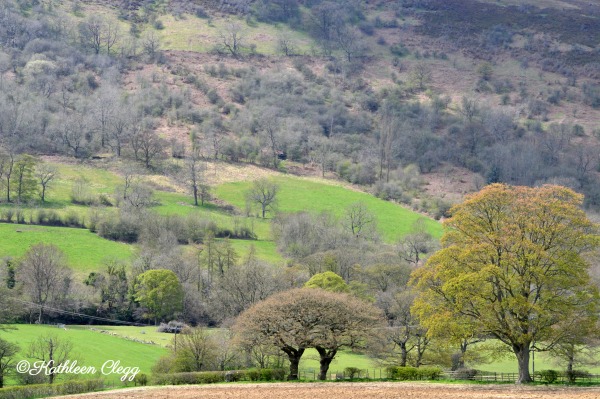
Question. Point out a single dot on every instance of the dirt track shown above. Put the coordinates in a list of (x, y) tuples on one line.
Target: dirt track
[(375, 390)]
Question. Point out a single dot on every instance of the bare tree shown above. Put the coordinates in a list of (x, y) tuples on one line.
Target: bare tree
[(359, 220), (91, 32), (104, 109), (351, 42), (420, 75), (389, 126), (45, 174), (110, 34), (7, 164), (134, 193), (122, 127), (45, 275), (75, 133), (196, 348), (270, 126), (53, 351), (8, 350), (147, 146), (232, 39), (194, 176), (412, 247), (263, 192), (286, 45), (322, 148), (150, 43), (469, 109)]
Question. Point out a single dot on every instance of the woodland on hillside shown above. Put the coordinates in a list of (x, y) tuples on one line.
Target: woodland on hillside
[(385, 96)]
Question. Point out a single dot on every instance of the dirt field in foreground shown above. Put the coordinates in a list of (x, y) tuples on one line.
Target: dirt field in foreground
[(375, 390)]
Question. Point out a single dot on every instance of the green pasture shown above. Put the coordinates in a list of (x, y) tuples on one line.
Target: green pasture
[(265, 250), (296, 195), (90, 348), (191, 33), (309, 364), (84, 250)]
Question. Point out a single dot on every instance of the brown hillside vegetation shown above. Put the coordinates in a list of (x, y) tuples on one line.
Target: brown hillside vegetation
[(380, 390)]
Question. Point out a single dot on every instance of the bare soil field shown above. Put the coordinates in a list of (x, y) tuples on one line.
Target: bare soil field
[(374, 390)]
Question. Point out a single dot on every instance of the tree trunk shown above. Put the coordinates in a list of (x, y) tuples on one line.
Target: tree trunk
[(403, 354), (294, 356), (195, 195), (326, 358), (522, 352)]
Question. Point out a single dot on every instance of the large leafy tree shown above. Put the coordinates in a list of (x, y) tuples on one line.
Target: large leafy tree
[(160, 292), (304, 318), (512, 267)]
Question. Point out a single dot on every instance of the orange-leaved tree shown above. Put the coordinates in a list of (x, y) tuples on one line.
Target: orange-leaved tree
[(512, 267)]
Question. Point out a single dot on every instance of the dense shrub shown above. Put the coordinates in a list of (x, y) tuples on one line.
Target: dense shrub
[(45, 390), (352, 372), (202, 377), (465, 374), (573, 375), (548, 376), (413, 373), (211, 377)]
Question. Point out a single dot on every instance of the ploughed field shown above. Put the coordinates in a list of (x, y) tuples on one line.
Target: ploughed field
[(368, 390)]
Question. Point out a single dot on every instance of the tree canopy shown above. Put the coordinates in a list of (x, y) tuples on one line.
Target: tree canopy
[(160, 292), (512, 267), (303, 318), (328, 281)]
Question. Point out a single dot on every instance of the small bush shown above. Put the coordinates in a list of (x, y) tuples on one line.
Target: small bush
[(573, 375), (429, 373), (352, 372), (141, 380), (214, 97), (235, 375), (548, 376), (399, 49), (402, 373), (465, 374), (253, 374), (8, 215), (279, 374), (158, 25), (266, 374)]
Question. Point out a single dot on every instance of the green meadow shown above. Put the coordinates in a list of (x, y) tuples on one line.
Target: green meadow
[(297, 195), (90, 348), (84, 250)]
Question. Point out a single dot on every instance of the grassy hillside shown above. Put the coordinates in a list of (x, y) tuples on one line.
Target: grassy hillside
[(90, 348), (298, 195), (85, 251)]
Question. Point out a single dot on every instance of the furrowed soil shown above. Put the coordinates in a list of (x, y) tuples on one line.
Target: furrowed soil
[(375, 390)]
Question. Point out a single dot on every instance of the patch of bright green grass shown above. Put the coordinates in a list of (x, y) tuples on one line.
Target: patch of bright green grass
[(99, 181), (296, 195), (90, 348), (201, 35), (84, 250), (265, 250), (309, 364)]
